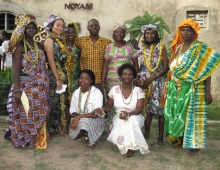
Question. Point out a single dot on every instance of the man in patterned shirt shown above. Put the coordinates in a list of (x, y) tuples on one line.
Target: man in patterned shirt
[(92, 50)]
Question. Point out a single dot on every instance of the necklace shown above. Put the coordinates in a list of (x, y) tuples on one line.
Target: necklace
[(34, 49), (72, 48), (85, 109), (130, 95), (148, 57), (148, 62), (178, 63)]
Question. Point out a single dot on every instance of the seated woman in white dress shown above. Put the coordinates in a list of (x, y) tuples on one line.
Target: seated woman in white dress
[(127, 123), (84, 100)]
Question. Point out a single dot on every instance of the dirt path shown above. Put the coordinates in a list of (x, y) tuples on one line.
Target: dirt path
[(65, 154)]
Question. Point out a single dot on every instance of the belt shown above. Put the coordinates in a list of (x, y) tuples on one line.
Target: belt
[(26, 78)]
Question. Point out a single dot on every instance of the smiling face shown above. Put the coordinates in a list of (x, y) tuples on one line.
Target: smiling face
[(127, 76), (58, 27), (85, 81), (119, 34), (150, 35), (187, 33), (70, 34), (30, 30), (93, 27)]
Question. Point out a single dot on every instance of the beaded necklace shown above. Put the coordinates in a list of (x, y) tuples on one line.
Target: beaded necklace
[(130, 94), (73, 49), (35, 49), (148, 62), (85, 109)]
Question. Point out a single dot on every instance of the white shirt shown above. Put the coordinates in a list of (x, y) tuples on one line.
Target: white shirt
[(95, 100), (8, 58)]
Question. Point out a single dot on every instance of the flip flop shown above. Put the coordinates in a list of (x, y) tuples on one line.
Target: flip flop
[(91, 147)]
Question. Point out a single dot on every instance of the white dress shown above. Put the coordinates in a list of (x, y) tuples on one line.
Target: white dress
[(126, 134), (93, 126)]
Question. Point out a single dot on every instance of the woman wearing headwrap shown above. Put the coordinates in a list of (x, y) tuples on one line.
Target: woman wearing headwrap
[(187, 91), (117, 53), (28, 128), (153, 68), (55, 50), (72, 62)]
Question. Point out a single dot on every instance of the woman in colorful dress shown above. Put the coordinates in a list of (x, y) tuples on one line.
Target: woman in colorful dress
[(153, 68), (72, 62), (127, 123), (84, 100), (54, 47), (188, 91), (117, 53), (28, 128)]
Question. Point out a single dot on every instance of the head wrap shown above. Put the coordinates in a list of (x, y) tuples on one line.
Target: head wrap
[(21, 22), (186, 23), (149, 26), (117, 25), (52, 18), (76, 27)]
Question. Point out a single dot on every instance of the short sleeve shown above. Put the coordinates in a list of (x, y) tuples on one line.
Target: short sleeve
[(4, 46), (135, 53), (74, 102), (110, 94), (140, 93), (107, 52)]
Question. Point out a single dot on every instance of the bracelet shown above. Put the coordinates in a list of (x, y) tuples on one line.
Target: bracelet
[(127, 116), (57, 79), (103, 113), (17, 90)]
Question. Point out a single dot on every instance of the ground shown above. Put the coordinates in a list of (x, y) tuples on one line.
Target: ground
[(63, 153)]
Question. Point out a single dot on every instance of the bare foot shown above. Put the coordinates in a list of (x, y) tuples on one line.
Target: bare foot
[(65, 130), (178, 147), (129, 153), (193, 152), (60, 131), (146, 136), (160, 142)]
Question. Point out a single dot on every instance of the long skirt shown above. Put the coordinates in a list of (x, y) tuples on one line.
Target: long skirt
[(93, 126), (126, 134), (25, 128)]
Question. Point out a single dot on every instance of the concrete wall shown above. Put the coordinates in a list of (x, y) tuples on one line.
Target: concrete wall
[(108, 12)]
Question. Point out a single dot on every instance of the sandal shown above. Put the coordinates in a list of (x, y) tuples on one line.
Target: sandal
[(91, 147), (84, 139)]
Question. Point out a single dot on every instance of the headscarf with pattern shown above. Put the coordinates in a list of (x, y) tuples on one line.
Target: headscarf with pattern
[(21, 22), (187, 22), (117, 25), (76, 27)]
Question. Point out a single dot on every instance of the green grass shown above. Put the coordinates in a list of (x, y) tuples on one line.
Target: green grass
[(214, 111), (40, 166), (71, 156)]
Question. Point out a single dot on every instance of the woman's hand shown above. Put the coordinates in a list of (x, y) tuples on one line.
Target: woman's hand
[(59, 85), (97, 112), (208, 98), (74, 123), (147, 82), (124, 115), (18, 96)]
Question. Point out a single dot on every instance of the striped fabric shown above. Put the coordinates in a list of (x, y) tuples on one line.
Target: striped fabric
[(185, 109), (93, 126)]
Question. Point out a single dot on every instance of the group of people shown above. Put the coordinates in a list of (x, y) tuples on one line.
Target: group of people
[(110, 85)]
